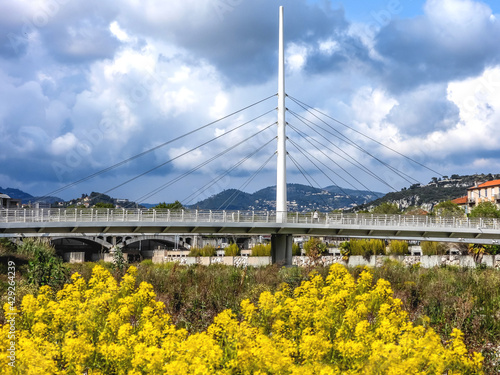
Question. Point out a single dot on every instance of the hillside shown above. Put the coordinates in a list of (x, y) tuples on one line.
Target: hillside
[(300, 198), (437, 190), (27, 198)]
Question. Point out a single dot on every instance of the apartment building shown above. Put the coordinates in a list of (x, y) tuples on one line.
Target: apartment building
[(486, 192)]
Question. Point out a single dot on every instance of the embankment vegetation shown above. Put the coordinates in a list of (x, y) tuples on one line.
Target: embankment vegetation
[(193, 296)]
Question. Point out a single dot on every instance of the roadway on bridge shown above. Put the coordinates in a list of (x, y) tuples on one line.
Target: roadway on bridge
[(70, 223)]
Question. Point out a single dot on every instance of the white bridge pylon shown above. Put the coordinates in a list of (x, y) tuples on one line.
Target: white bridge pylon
[(281, 204)]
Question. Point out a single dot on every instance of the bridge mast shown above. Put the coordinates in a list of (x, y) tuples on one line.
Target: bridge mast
[(281, 207), (281, 244)]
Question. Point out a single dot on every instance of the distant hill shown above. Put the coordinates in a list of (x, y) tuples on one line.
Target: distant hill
[(300, 198), (94, 198), (437, 190), (27, 198)]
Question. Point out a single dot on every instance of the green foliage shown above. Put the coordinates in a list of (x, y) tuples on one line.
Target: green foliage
[(397, 247), (104, 205), (314, 248), (485, 209), (147, 262), (387, 208), (345, 249), (44, 266), (119, 261), (6, 246), (477, 250), (295, 249), (367, 248), (206, 251), (262, 250), (232, 250), (448, 209), (176, 206), (434, 248), (446, 297)]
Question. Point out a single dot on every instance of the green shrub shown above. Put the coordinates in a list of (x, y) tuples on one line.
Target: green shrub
[(195, 252), (119, 261), (397, 247), (6, 246), (232, 250), (147, 262), (345, 249), (44, 267), (295, 249), (262, 250), (206, 251), (433, 248), (367, 248), (314, 248)]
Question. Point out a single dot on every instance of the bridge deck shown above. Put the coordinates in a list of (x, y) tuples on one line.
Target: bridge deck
[(75, 222)]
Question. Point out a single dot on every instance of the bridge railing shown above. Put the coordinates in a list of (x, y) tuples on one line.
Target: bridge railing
[(208, 216)]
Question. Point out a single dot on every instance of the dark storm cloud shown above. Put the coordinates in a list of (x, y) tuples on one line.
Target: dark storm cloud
[(424, 110), (438, 47), (241, 41)]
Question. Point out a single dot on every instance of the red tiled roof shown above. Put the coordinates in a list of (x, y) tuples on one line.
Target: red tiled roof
[(486, 184), (461, 200)]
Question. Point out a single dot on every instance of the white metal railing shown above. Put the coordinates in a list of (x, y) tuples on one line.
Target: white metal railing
[(212, 216)]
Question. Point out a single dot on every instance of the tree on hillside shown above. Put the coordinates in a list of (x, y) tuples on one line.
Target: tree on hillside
[(387, 208), (104, 205), (485, 209), (448, 208), (170, 206)]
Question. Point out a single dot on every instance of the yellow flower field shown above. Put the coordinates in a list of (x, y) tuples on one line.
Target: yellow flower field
[(335, 325)]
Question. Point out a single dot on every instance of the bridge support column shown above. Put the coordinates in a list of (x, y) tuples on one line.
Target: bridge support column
[(281, 249)]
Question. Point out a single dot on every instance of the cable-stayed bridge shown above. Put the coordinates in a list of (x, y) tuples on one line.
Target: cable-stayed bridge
[(78, 222), (95, 223), (314, 140)]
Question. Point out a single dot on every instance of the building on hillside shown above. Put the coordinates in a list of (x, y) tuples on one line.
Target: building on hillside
[(462, 202), (8, 202), (486, 192)]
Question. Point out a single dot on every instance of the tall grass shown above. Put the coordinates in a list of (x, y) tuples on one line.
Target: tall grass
[(205, 251), (397, 247), (433, 248), (261, 250), (367, 247), (451, 297)]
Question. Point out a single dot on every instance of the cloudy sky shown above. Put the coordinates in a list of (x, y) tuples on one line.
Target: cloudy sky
[(88, 84)]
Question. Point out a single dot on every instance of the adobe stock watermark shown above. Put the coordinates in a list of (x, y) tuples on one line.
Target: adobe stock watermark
[(11, 313), (222, 7), (382, 17), (47, 10)]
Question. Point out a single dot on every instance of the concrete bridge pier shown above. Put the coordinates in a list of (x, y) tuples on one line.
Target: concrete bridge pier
[(281, 249)]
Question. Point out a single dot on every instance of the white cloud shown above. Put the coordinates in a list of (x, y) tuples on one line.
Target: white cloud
[(329, 47), (296, 56), (117, 31), (63, 144)]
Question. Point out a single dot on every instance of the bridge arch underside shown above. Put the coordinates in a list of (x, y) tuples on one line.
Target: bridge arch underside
[(150, 244), (86, 245)]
